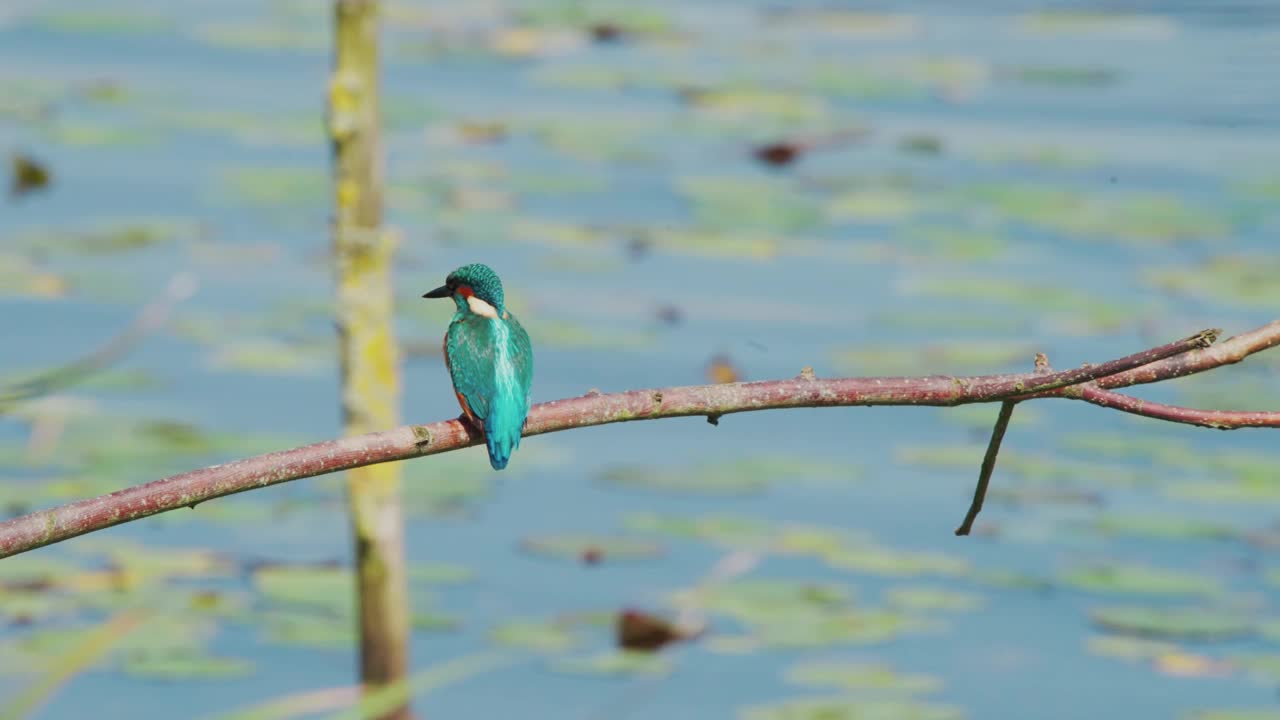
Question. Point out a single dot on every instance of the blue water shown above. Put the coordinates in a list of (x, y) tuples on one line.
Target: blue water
[(1189, 114)]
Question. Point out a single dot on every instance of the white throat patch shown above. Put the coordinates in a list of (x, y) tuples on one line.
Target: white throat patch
[(481, 308)]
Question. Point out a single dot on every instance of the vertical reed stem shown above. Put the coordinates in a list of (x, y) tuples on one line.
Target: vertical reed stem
[(363, 255)]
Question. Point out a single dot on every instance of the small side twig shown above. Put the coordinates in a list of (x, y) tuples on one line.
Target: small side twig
[(1216, 419), (988, 467)]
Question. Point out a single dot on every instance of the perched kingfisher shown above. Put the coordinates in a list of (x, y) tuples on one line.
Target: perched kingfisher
[(489, 358)]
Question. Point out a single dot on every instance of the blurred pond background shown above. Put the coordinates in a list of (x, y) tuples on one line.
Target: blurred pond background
[(673, 192)]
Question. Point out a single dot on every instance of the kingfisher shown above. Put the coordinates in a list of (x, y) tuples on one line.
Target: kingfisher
[(489, 357)]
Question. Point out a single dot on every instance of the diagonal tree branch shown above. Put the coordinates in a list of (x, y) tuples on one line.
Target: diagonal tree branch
[(46, 527)]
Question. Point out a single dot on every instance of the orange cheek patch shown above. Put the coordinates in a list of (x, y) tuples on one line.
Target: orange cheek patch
[(466, 291)]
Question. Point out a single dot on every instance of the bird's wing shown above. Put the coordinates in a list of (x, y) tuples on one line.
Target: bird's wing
[(469, 347), (522, 355)]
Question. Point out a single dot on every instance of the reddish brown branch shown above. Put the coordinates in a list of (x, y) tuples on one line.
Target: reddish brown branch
[(1217, 419), (1228, 352), (1054, 380), (188, 489)]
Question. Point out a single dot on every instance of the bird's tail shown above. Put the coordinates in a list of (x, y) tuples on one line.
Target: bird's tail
[(502, 435)]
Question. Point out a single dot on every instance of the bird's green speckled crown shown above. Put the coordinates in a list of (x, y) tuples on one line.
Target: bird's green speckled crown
[(483, 281)]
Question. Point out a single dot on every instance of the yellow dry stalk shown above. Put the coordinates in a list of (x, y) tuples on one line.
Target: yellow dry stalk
[(364, 255)]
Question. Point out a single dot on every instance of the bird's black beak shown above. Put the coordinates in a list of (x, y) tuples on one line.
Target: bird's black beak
[(441, 292)]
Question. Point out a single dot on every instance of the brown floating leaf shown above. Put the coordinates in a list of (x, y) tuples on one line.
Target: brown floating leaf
[(606, 32), (29, 175), (640, 631), (785, 152), (778, 153)]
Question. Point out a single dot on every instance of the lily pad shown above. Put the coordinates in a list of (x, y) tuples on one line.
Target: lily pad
[(541, 636), (727, 530), (107, 238), (1133, 218), (1061, 75), (1129, 648), (274, 187), (1176, 623), (440, 574), (309, 630), (723, 203), (1242, 714), (181, 667), (862, 677), (271, 356), (1259, 666), (23, 278), (1164, 526), (850, 708), (591, 548), (743, 476), (711, 480), (873, 559), (1137, 579), (792, 614), (93, 22), (928, 599), (620, 662), (330, 589), (1247, 281), (1073, 21), (759, 601), (759, 104)]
